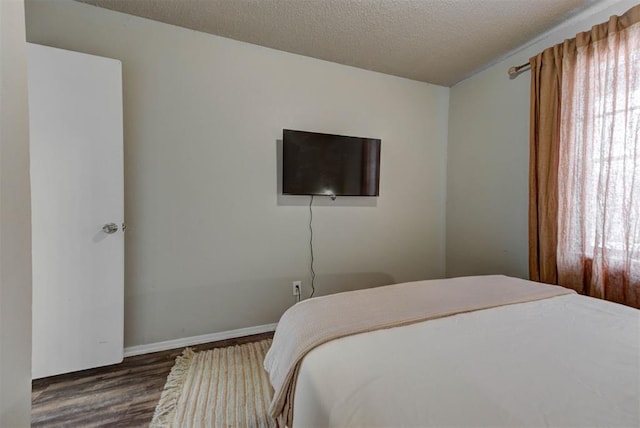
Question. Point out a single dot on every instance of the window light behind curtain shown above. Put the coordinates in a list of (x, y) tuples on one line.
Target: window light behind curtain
[(599, 168), (595, 152)]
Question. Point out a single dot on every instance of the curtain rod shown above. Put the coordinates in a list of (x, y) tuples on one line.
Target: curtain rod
[(515, 70)]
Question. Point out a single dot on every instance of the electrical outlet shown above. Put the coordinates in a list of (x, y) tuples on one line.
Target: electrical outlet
[(297, 286)]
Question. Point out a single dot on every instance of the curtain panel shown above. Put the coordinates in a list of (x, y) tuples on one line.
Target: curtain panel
[(584, 178)]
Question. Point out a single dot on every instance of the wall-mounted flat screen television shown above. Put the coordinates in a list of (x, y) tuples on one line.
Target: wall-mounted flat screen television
[(326, 164)]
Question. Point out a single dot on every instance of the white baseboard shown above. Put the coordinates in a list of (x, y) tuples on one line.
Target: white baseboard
[(130, 351)]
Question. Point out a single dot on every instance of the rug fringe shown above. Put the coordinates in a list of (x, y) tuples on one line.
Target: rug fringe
[(166, 408)]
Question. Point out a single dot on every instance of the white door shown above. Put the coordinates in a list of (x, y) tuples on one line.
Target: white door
[(75, 110)]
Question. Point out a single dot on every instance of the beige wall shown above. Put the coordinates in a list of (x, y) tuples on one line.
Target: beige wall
[(15, 222), (488, 159), (210, 245)]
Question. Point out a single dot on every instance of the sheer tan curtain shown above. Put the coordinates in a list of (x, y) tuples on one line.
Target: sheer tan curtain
[(585, 163), (546, 72)]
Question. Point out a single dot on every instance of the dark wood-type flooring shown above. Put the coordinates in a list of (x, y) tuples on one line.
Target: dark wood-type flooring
[(122, 395)]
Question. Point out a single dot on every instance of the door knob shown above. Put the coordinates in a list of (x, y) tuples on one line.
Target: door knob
[(110, 228)]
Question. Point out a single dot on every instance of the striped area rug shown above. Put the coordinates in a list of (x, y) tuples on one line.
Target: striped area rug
[(222, 387)]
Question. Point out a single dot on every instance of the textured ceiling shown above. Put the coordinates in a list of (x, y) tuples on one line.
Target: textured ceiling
[(435, 41)]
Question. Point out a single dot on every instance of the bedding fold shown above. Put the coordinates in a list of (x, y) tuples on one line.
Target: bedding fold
[(313, 322)]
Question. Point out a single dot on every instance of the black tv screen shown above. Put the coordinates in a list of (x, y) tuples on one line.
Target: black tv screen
[(326, 164)]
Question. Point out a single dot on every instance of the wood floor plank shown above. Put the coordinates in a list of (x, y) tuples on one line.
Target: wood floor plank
[(122, 395)]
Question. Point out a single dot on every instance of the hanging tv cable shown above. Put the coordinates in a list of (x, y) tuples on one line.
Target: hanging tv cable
[(313, 274)]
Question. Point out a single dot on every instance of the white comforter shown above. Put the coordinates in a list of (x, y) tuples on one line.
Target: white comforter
[(567, 361)]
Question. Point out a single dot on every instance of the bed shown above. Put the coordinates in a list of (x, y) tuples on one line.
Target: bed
[(473, 351)]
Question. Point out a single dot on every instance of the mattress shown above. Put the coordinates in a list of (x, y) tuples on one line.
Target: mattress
[(563, 361)]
